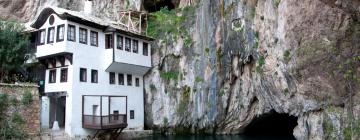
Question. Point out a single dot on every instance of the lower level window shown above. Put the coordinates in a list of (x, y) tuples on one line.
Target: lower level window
[(129, 79), (132, 114), (112, 78), (63, 75), (137, 82), (52, 76), (83, 75)]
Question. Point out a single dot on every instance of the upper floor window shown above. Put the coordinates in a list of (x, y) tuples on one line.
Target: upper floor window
[(94, 76), (132, 114), (51, 32), (52, 76), (129, 79), (109, 43), (145, 49), (127, 44), (83, 35), (121, 79), (71, 32), (135, 46), (60, 33), (112, 78), (94, 38), (83, 75), (63, 75), (137, 82), (119, 40), (42, 35)]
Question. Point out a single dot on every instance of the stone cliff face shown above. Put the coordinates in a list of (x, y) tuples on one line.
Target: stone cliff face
[(247, 58)]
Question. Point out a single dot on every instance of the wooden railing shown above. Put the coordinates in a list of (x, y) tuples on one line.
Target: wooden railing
[(111, 121)]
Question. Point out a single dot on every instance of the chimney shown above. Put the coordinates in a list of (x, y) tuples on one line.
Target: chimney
[(88, 7)]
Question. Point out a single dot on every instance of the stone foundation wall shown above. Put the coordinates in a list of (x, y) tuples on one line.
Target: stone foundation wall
[(29, 112)]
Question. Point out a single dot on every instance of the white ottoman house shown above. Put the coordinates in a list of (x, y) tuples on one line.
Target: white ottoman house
[(94, 75)]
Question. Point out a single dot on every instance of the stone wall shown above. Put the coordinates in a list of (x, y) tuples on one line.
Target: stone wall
[(30, 112)]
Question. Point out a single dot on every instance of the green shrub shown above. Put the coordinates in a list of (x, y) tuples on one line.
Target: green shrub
[(27, 98), (286, 55), (152, 87), (207, 50), (198, 79), (168, 75), (276, 3), (165, 121), (260, 63)]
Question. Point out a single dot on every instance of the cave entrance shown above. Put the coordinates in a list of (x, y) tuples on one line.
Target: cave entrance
[(156, 5), (272, 125)]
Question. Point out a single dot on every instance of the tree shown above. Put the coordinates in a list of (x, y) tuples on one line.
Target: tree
[(13, 43)]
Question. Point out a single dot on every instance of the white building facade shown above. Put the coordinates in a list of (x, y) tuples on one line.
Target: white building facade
[(94, 76)]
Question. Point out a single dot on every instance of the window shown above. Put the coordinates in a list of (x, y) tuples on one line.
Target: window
[(93, 38), (145, 49), (71, 32), (51, 32), (60, 33), (135, 46), (52, 76), (83, 35), (63, 75), (112, 78), (129, 79), (94, 76), (42, 35), (137, 82), (132, 114), (82, 75), (121, 79), (127, 44), (119, 42), (108, 41)]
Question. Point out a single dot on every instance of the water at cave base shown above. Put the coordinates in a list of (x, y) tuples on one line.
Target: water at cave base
[(217, 137)]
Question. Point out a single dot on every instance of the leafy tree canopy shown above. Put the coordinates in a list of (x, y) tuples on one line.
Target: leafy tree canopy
[(13, 43)]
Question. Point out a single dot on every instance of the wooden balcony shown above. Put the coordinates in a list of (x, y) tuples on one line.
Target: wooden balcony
[(104, 112), (112, 121)]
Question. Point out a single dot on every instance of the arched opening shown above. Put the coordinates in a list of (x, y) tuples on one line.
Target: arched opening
[(272, 125), (156, 5)]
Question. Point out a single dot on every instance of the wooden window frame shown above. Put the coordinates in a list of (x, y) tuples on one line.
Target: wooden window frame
[(121, 81), (127, 45), (69, 33), (129, 77), (119, 45), (91, 38), (80, 76), (135, 47), (132, 114), (94, 80), (48, 35), (137, 82), (145, 51), (50, 75), (81, 39), (107, 45), (112, 78), (62, 70), (58, 31), (39, 41)]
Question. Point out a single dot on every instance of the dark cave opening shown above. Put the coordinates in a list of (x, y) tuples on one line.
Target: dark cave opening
[(272, 125), (153, 6)]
